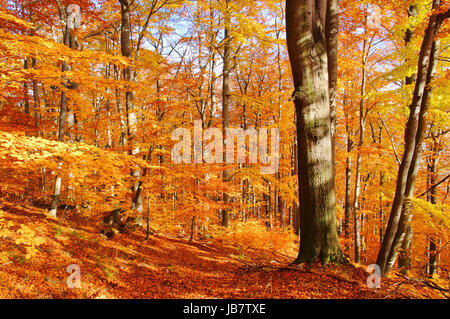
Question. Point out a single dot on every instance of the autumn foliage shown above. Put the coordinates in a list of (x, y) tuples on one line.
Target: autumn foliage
[(118, 114)]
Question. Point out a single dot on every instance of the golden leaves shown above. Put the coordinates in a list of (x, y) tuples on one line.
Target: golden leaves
[(25, 236), (11, 18)]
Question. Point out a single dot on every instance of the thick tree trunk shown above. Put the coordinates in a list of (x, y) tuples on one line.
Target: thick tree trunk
[(305, 23)]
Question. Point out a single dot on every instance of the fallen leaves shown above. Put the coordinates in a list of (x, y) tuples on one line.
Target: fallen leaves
[(163, 267)]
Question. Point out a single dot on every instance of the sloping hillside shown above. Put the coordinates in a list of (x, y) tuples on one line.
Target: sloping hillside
[(128, 266)]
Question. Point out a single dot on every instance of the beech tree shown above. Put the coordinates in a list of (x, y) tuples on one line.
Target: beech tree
[(398, 219), (87, 125), (307, 45), (68, 14)]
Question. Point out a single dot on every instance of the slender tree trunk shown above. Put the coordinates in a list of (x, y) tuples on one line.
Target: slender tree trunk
[(123, 121), (412, 12), (213, 97), (213, 77), (70, 41), (432, 261), (389, 246), (125, 43), (348, 181), (26, 65), (147, 233), (404, 258), (36, 101), (269, 205), (56, 195), (226, 105), (381, 212), (432, 198), (193, 228), (296, 208), (331, 32), (362, 124)]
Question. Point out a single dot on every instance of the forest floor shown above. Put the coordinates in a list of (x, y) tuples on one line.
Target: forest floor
[(129, 266)]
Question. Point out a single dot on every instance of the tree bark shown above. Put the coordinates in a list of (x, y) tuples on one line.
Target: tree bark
[(125, 44), (362, 124), (296, 208), (404, 261), (305, 23), (348, 181), (226, 105), (389, 244), (26, 65), (403, 236), (70, 41), (331, 32), (432, 198), (36, 101)]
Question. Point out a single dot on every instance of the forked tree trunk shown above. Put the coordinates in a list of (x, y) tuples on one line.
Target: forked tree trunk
[(402, 235), (388, 248), (305, 23), (405, 230), (70, 41)]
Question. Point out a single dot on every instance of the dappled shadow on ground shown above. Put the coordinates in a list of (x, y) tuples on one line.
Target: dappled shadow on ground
[(128, 266)]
